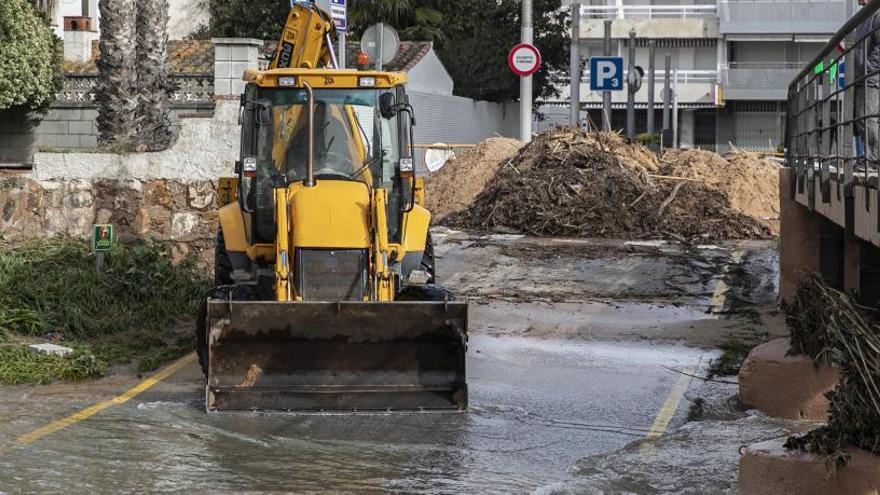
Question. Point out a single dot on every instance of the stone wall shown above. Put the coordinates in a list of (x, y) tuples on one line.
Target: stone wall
[(169, 195), (170, 210)]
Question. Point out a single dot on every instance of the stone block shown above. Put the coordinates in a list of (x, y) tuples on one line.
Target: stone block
[(223, 87), (88, 142), (784, 386), (237, 87), (54, 127), (768, 468), (65, 141), (50, 349), (201, 195), (236, 69), (83, 127), (244, 53)]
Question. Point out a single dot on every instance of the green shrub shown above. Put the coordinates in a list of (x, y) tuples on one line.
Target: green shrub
[(30, 57), (140, 309), (648, 139)]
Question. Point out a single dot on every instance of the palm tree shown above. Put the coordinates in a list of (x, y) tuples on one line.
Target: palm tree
[(416, 19), (116, 94), (154, 123), (48, 7)]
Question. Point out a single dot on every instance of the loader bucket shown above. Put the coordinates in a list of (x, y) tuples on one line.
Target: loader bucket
[(346, 356)]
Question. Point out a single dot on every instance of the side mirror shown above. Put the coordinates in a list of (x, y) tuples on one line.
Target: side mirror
[(387, 104)]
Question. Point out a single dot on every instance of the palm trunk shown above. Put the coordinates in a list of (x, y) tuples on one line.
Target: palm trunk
[(116, 94), (154, 123)]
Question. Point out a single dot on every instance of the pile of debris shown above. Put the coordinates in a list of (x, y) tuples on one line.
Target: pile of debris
[(455, 186), (749, 182), (573, 183), (827, 326)]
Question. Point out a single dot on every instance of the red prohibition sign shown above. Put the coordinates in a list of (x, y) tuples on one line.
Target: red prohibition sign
[(524, 59)]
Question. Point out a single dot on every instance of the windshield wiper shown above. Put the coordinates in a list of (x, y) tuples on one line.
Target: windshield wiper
[(369, 163)]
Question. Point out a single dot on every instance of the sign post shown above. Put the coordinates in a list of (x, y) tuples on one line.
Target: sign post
[(525, 81), (338, 12), (102, 241), (524, 60)]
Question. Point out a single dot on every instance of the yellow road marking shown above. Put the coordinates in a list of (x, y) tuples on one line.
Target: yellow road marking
[(88, 412), (667, 411)]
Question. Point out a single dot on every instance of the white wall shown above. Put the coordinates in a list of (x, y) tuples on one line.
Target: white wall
[(185, 16), (430, 76), (456, 120)]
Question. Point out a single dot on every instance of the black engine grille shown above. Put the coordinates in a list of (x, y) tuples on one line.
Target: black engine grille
[(331, 274)]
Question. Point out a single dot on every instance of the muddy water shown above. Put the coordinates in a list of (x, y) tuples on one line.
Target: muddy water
[(537, 407), (568, 366)]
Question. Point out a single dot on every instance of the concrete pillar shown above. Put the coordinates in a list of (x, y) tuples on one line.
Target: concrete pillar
[(687, 137), (852, 249), (868, 274), (798, 239), (232, 56), (831, 252), (78, 45)]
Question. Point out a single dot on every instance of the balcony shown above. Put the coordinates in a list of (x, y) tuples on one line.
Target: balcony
[(647, 11), (650, 21), (694, 88), (758, 81), (781, 16)]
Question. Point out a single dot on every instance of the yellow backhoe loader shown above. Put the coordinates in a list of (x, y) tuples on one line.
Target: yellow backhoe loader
[(325, 298)]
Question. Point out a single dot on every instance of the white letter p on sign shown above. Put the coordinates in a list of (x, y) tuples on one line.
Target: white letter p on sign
[(606, 69)]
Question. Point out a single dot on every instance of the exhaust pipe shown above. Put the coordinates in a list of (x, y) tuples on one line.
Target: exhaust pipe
[(310, 152)]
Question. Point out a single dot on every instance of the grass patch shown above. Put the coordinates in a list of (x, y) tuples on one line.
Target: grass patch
[(734, 351), (139, 310), (19, 365)]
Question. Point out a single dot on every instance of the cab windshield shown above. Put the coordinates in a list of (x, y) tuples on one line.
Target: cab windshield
[(352, 140)]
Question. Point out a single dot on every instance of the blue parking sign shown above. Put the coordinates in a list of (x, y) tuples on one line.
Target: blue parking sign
[(606, 73)]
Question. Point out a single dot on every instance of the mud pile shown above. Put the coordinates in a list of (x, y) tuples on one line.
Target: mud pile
[(572, 183), (455, 186), (750, 183)]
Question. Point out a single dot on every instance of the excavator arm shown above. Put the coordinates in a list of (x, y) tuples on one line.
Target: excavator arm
[(307, 39)]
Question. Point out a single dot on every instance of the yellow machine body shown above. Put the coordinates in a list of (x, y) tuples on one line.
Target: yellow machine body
[(310, 312)]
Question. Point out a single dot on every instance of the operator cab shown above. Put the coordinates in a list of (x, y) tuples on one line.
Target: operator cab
[(361, 126)]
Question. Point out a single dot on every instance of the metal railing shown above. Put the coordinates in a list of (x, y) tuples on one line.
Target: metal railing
[(648, 11), (833, 118), (191, 90), (781, 16), (678, 76), (755, 80)]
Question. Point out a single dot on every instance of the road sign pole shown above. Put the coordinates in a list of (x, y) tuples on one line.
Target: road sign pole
[(525, 86), (652, 48), (380, 49), (341, 57), (667, 100), (575, 103), (630, 94), (675, 109), (606, 95)]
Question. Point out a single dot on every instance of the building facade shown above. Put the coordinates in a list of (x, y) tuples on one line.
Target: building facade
[(732, 61)]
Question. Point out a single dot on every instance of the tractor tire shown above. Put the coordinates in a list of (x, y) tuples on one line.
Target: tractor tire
[(428, 264), (236, 293), (428, 292), (202, 336), (222, 264)]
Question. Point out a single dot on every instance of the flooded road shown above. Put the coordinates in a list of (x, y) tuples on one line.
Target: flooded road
[(577, 361), (537, 407)]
